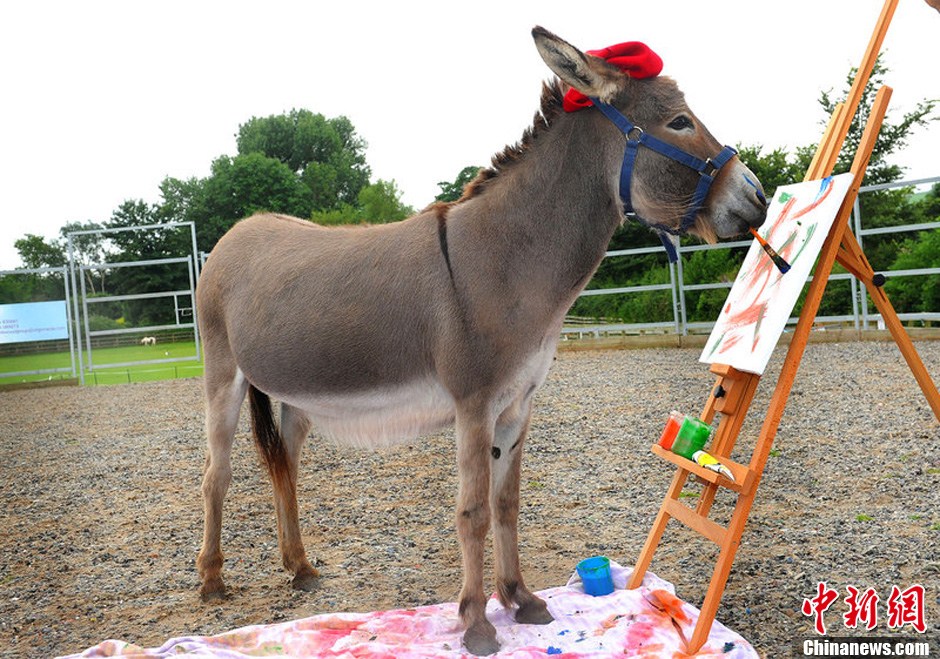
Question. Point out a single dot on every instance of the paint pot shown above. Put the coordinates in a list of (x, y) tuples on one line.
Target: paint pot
[(595, 576), (692, 437), (673, 424)]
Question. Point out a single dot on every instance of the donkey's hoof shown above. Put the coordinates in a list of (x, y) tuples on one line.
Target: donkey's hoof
[(212, 590), (480, 639), (534, 613), (305, 580)]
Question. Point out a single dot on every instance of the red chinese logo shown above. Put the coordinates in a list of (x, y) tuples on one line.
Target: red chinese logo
[(906, 607), (817, 606), (863, 608)]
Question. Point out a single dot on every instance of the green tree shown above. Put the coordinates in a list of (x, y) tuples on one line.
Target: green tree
[(378, 203), (778, 167), (452, 191), (883, 208), (327, 154), (36, 252), (236, 188), (344, 214), (152, 243), (381, 202), (88, 249), (920, 293), (892, 138)]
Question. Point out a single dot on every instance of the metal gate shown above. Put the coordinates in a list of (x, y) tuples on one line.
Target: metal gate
[(184, 310)]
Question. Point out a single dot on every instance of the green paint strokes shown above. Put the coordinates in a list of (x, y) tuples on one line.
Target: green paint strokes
[(810, 230), (715, 345)]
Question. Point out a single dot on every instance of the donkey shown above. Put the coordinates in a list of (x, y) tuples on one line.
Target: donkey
[(449, 317)]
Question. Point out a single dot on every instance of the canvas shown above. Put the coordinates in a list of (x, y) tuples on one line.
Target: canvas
[(762, 298)]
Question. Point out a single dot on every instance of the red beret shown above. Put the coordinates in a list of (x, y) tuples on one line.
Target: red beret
[(632, 57)]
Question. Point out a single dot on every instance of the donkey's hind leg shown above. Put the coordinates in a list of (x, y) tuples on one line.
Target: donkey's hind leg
[(225, 392), (511, 429), (294, 428)]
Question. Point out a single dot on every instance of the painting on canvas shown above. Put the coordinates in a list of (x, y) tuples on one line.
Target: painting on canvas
[(762, 298)]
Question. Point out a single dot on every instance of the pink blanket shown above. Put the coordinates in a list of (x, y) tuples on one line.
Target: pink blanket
[(647, 622)]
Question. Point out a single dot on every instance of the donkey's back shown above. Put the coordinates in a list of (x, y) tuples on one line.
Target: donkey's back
[(343, 323)]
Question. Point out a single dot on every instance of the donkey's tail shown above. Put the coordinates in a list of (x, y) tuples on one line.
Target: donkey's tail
[(267, 434)]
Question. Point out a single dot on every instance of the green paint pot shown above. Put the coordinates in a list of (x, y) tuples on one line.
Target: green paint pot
[(692, 437)]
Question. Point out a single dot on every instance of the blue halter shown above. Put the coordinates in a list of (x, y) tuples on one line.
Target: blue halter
[(707, 171)]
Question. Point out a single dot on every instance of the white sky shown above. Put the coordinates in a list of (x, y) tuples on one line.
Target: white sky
[(102, 100)]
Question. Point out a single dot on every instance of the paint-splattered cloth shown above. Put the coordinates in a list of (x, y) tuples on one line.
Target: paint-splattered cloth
[(649, 621)]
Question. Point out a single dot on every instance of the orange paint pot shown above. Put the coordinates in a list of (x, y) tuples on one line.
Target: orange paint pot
[(673, 423)]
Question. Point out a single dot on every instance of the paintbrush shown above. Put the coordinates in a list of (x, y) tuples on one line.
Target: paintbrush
[(778, 260)]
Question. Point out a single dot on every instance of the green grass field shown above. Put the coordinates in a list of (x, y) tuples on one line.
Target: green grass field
[(102, 374)]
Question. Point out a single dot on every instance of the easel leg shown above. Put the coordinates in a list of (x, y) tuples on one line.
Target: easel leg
[(656, 533), (716, 587)]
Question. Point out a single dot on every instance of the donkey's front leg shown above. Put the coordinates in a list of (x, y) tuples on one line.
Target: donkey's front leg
[(511, 429), (474, 441)]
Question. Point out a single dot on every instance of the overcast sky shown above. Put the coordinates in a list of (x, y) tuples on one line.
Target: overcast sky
[(103, 100)]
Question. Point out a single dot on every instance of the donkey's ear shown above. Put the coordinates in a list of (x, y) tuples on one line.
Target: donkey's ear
[(591, 76)]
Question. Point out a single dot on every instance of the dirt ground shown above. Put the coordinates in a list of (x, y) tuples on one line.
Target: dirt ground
[(101, 516)]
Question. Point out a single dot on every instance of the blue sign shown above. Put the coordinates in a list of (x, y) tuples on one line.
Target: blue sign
[(33, 321)]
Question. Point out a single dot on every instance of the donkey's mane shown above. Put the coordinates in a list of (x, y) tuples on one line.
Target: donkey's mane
[(550, 107)]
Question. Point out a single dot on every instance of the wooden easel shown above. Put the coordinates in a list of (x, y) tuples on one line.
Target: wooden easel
[(733, 391)]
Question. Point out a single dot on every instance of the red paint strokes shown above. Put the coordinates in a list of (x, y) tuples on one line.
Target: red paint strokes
[(818, 200), (639, 635), (337, 624), (749, 315), (670, 604), (608, 623), (731, 339)]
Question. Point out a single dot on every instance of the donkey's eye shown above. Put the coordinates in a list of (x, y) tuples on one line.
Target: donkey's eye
[(681, 122)]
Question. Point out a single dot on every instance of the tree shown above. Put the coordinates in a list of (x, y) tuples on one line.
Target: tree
[(35, 252), (883, 208), (453, 191), (892, 138), (146, 244), (236, 188), (378, 203), (327, 154), (919, 293), (777, 167), (381, 202), (153, 243), (88, 249)]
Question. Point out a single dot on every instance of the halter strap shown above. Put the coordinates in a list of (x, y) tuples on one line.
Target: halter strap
[(706, 169)]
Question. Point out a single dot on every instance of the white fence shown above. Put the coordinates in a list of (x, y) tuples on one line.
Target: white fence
[(860, 317)]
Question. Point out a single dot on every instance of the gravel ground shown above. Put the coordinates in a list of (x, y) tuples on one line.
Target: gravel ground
[(102, 515)]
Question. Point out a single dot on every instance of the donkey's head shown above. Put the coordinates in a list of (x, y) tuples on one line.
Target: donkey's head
[(682, 180)]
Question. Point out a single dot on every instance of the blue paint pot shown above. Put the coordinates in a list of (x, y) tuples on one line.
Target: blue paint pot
[(595, 575)]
